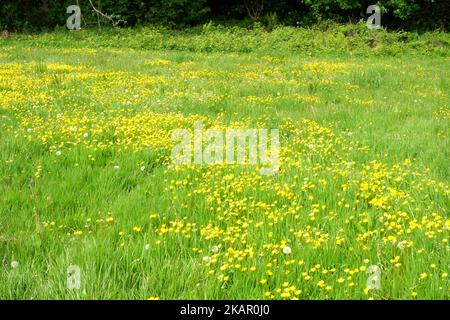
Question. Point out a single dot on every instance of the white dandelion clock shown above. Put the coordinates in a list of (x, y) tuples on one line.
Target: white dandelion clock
[(287, 250)]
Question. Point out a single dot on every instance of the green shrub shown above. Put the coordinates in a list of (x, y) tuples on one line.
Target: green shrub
[(319, 40), (27, 15)]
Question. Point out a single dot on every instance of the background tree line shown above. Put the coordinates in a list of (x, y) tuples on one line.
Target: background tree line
[(28, 15)]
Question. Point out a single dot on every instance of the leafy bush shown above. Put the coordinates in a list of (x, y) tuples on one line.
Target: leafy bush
[(406, 14), (320, 40)]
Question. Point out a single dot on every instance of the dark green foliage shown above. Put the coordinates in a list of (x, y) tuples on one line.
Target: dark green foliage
[(44, 14)]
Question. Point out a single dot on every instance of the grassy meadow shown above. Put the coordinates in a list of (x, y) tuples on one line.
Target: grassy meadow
[(86, 177)]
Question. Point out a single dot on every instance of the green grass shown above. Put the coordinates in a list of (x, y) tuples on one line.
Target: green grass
[(108, 102)]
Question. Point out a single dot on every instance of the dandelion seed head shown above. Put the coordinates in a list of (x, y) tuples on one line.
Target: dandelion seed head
[(287, 250)]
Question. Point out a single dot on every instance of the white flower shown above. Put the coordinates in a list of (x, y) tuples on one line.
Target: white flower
[(85, 135), (350, 148), (29, 130), (287, 250), (14, 264), (142, 168), (349, 133), (215, 249), (116, 167), (206, 259), (310, 146), (401, 245), (58, 153), (146, 247)]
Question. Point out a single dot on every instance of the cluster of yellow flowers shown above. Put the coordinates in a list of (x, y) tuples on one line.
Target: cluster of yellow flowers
[(326, 67), (443, 113), (373, 209)]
